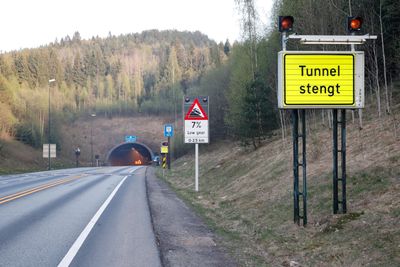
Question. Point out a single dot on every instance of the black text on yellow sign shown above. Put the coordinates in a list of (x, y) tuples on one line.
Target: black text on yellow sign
[(320, 80)]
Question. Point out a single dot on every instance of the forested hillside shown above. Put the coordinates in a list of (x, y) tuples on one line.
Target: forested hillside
[(118, 75), (245, 87), (151, 71)]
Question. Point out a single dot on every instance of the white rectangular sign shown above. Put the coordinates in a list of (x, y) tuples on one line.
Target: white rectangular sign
[(196, 131), (53, 151)]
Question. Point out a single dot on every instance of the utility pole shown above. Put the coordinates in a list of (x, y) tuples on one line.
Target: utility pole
[(93, 115), (49, 124)]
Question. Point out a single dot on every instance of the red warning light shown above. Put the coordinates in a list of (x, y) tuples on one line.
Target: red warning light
[(285, 23), (354, 24)]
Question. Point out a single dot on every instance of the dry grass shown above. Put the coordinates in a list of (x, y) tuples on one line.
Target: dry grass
[(16, 157), (247, 197)]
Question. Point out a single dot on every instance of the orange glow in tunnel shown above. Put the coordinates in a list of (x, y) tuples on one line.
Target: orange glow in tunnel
[(128, 154)]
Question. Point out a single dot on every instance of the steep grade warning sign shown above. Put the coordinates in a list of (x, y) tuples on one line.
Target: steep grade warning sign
[(196, 120), (324, 79), (196, 112)]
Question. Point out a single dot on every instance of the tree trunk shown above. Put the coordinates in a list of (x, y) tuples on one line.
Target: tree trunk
[(282, 125), (384, 60), (378, 88), (360, 119)]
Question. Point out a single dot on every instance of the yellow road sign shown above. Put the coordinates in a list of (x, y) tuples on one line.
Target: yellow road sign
[(164, 149), (320, 80)]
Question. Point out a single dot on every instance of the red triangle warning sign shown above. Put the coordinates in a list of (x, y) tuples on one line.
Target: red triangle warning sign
[(196, 112)]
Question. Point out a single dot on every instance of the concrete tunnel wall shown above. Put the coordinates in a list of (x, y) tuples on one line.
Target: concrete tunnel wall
[(127, 154)]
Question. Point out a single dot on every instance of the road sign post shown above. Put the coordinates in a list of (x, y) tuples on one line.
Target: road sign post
[(169, 154), (196, 129), (164, 161), (196, 171), (169, 132), (77, 154)]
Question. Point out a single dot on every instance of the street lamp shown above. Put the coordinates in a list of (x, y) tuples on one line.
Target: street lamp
[(91, 138), (49, 124)]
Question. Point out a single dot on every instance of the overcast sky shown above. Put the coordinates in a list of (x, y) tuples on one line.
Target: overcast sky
[(31, 23)]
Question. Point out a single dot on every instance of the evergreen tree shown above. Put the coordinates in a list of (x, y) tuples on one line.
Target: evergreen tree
[(227, 47)]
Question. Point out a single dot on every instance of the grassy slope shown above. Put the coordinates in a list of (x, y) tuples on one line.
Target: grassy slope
[(16, 157), (246, 196)]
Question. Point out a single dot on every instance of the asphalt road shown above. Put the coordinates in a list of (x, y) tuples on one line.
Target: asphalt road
[(77, 217)]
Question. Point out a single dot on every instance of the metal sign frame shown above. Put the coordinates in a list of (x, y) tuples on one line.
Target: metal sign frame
[(332, 39)]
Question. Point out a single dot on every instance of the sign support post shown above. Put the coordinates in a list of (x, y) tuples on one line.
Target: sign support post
[(196, 148), (169, 132), (299, 214), (164, 162), (169, 153), (296, 208), (196, 129), (336, 151)]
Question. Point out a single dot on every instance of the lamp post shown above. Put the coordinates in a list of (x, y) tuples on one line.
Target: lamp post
[(91, 137), (49, 124)]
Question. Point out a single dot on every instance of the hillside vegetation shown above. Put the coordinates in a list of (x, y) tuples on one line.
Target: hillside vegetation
[(114, 76), (246, 197), (149, 73)]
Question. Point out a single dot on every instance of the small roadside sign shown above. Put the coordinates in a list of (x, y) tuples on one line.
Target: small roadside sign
[(53, 151), (164, 149), (130, 138), (196, 120), (168, 130)]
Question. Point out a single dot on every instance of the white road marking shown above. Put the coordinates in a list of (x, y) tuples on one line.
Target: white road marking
[(66, 261)]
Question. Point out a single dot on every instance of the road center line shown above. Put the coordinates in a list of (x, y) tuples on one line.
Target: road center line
[(30, 191), (66, 261)]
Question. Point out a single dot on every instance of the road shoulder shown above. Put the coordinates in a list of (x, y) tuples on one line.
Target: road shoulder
[(182, 237)]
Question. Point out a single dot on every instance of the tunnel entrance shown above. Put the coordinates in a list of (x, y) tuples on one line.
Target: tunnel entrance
[(127, 154)]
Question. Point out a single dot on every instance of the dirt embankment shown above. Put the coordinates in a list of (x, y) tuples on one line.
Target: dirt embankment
[(246, 196), (17, 157), (107, 133)]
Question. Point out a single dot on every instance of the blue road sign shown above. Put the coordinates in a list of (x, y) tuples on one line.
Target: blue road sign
[(168, 130), (130, 138)]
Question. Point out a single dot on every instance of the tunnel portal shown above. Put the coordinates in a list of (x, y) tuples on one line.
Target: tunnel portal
[(127, 154)]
